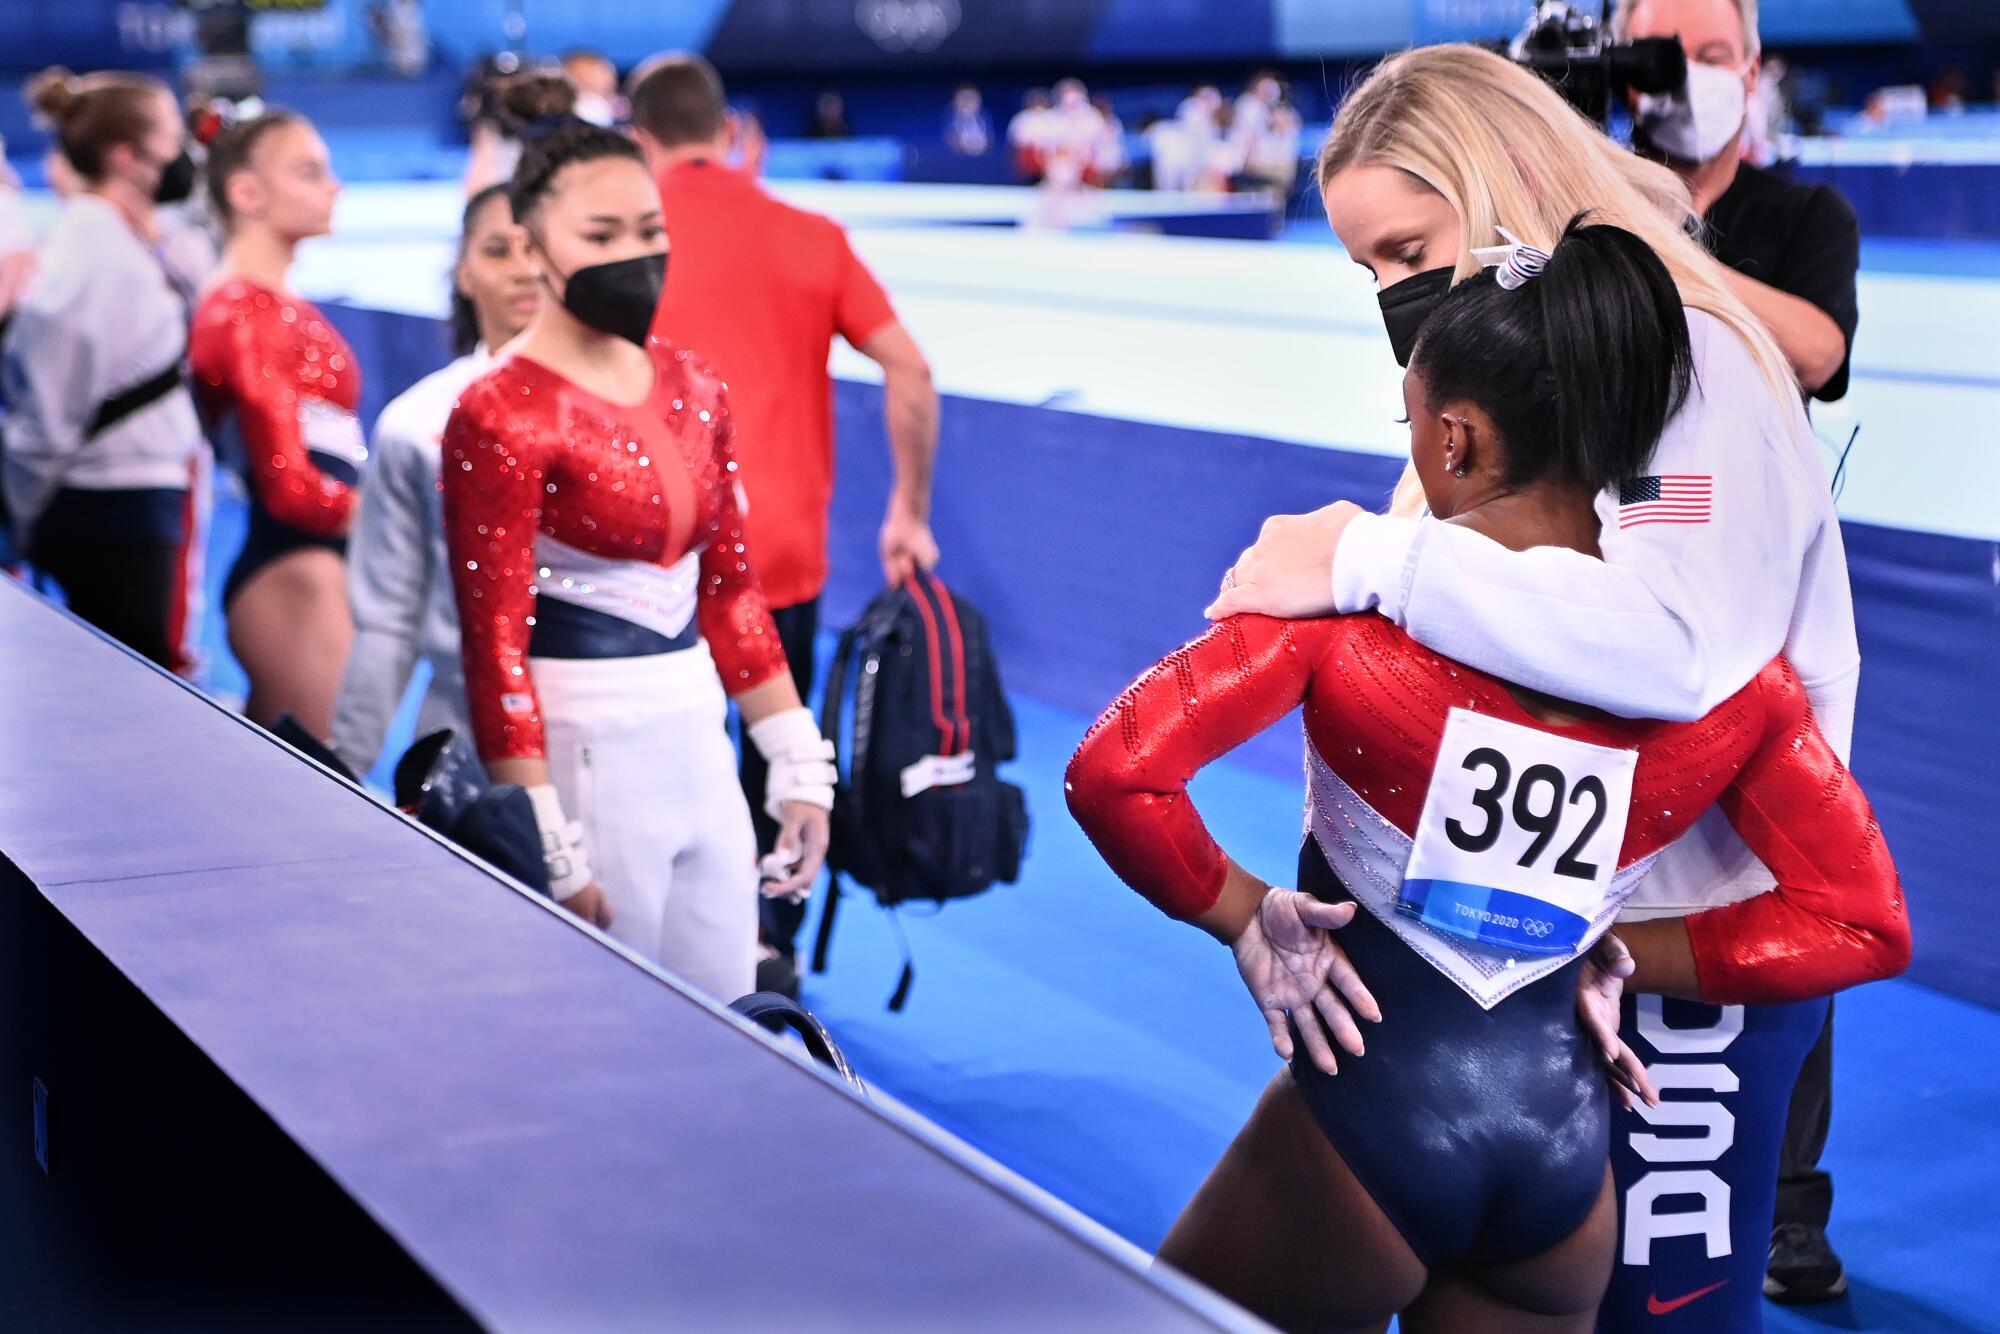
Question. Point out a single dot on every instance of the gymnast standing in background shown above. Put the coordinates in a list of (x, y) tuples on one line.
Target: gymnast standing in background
[(398, 579), (271, 368)]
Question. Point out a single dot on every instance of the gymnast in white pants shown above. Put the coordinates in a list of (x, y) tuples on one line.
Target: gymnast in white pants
[(638, 749), (606, 599)]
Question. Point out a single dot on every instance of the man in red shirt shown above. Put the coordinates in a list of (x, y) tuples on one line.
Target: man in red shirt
[(760, 289)]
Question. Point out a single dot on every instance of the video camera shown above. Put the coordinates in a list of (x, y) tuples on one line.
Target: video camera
[(1571, 49)]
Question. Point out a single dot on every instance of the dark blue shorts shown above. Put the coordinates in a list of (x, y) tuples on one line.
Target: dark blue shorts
[(1698, 1177)]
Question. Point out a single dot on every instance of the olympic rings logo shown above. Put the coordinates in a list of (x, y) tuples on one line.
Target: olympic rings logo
[(1537, 928), (908, 25)]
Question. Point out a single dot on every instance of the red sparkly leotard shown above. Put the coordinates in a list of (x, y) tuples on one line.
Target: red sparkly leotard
[(271, 366), (1376, 703), (558, 501), (1478, 1118)]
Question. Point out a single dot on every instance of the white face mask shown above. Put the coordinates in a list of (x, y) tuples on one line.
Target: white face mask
[(1697, 122)]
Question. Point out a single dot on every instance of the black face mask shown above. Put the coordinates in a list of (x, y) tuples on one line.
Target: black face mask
[(1407, 304), (176, 179), (619, 297)]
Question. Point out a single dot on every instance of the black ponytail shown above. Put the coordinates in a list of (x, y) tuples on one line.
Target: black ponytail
[(1580, 368)]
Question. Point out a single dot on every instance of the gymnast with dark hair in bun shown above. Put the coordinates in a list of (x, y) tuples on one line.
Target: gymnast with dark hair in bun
[(1468, 845), (609, 606)]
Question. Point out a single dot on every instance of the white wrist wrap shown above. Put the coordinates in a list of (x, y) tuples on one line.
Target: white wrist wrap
[(562, 844), (800, 759)]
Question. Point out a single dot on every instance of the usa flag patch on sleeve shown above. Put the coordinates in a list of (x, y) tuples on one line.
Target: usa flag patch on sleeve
[(1668, 498)]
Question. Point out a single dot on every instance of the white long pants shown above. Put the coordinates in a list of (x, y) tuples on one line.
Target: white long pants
[(639, 752)]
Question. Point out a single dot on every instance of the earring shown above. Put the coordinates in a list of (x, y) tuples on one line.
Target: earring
[(1459, 471)]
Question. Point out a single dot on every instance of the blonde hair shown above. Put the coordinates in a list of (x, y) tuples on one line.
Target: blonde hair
[(1505, 150)]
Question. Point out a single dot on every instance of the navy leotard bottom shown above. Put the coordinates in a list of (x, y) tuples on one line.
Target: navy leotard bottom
[(1482, 1134), (268, 539)]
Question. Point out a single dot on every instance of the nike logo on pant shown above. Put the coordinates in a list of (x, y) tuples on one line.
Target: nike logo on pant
[(1654, 1306)]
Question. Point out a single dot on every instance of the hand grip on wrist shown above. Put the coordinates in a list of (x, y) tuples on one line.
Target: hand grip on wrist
[(800, 761), (562, 844)]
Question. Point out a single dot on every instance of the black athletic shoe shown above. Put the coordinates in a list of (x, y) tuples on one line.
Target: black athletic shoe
[(777, 972), (1803, 1268)]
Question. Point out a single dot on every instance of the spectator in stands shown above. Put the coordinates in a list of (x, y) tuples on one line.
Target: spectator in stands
[(1221, 161), (1265, 131), (968, 130), (403, 35), (829, 120), (1793, 249), (1108, 162), (1074, 129), (1201, 113), (1167, 146), (1792, 252), (1251, 114), (105, 465), (1070, 144), (595, 79), (1946, 94), (760, 289), (1027, 132)]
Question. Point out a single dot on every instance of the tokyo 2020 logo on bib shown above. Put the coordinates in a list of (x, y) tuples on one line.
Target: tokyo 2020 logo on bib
[(1519, 836)]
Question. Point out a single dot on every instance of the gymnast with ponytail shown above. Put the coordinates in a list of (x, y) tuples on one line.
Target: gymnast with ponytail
[(1438, 1147)]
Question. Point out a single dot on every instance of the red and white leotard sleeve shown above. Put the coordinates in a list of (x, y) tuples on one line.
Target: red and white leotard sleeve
[(268, 358), (1837, 916), (1376, 704), (734, 615), (527, 455)]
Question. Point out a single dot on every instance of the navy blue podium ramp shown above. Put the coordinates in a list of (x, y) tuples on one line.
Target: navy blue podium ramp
[(291, 1062)]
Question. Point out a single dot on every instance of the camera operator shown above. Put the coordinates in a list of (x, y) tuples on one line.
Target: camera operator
[(1792, 249), (1792, 252)]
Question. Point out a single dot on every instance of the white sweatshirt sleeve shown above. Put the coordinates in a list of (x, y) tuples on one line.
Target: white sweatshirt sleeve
[(1676, 617), (389, 556), (51, 379)]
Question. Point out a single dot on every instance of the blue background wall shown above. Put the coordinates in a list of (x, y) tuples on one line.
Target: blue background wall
[(829, 34)]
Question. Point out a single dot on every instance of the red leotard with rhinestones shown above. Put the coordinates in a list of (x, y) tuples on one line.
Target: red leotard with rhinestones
[(1482, 1131), (1375, 708), (270, 366), (528, 455)]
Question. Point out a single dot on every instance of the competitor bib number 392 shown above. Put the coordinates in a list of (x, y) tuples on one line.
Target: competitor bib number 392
[(1519, 836)]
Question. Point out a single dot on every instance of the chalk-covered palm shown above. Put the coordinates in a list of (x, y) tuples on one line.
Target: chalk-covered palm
[(1600, 987), (1297, 973)]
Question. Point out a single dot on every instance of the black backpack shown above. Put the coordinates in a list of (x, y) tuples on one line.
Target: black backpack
[(919, 811)]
